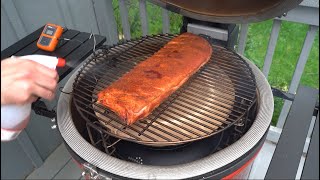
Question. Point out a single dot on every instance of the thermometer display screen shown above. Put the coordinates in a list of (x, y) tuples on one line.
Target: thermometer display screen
[(50, 30)]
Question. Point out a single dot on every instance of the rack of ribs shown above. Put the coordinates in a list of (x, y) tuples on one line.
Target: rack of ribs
[(137, 93)]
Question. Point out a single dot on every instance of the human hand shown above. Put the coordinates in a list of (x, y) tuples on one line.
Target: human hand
[(23, 81)]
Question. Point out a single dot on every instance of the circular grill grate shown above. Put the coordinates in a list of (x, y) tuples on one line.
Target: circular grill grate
[(218, 96)]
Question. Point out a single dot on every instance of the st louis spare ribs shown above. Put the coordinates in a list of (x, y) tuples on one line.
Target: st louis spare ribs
[(137, 93)]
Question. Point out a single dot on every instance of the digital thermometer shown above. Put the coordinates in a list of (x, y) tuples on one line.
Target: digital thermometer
[(49, 37)]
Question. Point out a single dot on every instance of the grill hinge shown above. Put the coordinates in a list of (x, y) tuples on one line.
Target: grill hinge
[(91, 172), (216, 33)]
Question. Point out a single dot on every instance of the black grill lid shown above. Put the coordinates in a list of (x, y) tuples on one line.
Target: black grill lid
[(229, 11)]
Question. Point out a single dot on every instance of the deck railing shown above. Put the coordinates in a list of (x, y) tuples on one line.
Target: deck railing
[(306, 13)]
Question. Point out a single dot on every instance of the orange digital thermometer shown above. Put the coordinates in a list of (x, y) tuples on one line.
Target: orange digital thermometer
[(49, 37)]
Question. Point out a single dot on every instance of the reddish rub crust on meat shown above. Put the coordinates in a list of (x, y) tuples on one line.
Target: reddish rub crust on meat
[(137, 93)]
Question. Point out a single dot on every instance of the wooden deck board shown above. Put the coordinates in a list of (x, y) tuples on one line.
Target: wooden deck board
[(69, 171), (52, 165)]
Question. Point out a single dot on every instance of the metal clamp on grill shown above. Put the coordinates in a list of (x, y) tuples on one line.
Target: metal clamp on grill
[(92, 172), (41, 109)]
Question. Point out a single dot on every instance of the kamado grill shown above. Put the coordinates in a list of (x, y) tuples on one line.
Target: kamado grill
[(210, 128)]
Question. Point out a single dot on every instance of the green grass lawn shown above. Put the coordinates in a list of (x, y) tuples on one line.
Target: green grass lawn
[(289, 45)]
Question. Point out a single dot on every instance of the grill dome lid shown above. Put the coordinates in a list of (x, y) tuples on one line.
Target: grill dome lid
[(229, 11)]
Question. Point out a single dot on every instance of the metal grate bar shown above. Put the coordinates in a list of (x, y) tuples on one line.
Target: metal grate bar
[(190, 125), (184, 111), (234, 74), (226, 53), (216, 85), (201, 91), (216, 82), (205, 105), (228, 84), (164, 107), (230, 72), (212, 112), (228, 65), (225, 84), (171, 128), (156, 127), (224, 56), (238, 80)]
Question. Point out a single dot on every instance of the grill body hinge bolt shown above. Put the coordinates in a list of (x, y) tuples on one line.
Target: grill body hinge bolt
[(91, 172)]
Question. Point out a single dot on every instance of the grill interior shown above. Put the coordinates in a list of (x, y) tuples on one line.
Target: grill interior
[(218, 96)]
